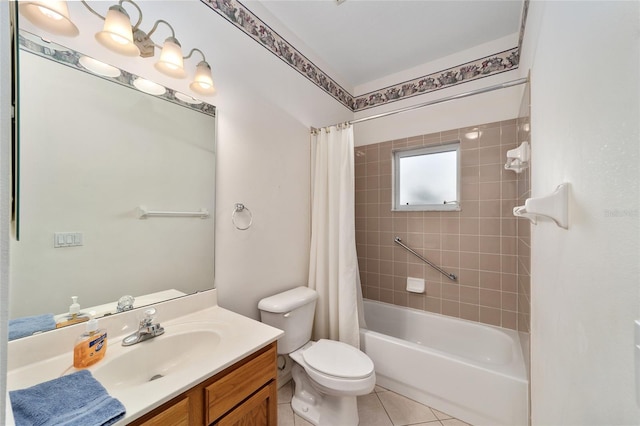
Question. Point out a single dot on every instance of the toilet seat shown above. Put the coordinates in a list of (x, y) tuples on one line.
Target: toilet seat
[(329, 382), (338, 359)]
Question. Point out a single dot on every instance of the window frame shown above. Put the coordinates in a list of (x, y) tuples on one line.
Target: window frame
[(451, 146)]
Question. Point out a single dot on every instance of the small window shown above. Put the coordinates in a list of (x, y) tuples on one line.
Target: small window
[(427, 179)]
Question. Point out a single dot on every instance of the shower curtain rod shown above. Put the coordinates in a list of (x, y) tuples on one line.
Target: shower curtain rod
[(441, 100)]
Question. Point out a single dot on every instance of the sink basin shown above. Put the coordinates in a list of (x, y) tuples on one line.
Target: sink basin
[(182, 346)]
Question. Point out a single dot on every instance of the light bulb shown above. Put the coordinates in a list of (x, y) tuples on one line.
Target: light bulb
[(50, 13)]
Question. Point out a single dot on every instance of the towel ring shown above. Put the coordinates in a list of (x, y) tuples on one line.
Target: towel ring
[(239, 208)]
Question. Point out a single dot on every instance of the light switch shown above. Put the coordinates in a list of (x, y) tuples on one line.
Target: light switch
[(67, 239)]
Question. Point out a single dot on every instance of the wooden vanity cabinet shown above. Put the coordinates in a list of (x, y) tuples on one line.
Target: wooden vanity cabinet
[(244, 394)]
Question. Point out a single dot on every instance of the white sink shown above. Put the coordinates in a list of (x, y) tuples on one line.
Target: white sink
[(181, 346), (200, 340)]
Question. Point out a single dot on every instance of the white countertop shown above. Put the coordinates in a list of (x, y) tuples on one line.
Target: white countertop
[(239, 336)]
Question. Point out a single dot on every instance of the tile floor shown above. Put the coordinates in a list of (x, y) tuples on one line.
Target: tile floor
[(379, 408)]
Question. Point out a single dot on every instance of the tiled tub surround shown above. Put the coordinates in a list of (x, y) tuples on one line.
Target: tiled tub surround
[(478, 244)]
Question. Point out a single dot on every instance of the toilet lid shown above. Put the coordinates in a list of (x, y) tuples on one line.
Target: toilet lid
[(338, 359)]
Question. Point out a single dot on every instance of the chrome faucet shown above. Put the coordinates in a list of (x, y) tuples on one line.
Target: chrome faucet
[(146, 330)]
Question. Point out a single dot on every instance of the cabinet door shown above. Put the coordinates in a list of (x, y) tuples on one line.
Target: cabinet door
[(261, 409), (176, 415), (239, 384)]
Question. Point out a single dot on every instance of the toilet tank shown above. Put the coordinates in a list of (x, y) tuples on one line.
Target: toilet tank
[(292, 312)]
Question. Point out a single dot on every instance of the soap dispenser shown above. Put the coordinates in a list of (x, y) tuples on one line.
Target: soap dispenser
[(91, 346), (74, 315)]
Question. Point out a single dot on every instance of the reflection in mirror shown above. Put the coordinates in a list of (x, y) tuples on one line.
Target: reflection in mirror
[(92, 151)]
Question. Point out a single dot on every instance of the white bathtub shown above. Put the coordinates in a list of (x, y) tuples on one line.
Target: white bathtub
[(472, 371)]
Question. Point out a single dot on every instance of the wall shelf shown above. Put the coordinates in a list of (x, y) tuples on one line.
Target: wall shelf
[(553, 206), (518, 158)]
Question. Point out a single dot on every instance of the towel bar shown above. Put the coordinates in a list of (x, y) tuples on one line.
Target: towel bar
[(143, 213)]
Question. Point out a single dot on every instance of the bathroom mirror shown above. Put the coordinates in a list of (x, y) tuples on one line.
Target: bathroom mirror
[(92, 152)]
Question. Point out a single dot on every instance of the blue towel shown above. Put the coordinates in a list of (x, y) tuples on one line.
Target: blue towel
[(26, 326), (76, 399)]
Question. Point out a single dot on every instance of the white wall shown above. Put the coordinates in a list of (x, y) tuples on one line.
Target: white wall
[(265, 111), (585, 280)]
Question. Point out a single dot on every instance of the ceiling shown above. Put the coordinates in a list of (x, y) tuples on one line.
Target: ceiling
[(363, 40)]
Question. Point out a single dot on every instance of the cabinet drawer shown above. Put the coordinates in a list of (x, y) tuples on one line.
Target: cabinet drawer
[(224, 394), (176, 415)]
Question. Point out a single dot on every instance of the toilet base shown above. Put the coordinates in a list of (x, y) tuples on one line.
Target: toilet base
[(319, 408)]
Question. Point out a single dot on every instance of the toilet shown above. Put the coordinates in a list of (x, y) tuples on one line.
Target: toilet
[(328, 375)]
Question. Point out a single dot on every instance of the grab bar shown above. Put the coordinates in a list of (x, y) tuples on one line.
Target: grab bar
[(452, 277)]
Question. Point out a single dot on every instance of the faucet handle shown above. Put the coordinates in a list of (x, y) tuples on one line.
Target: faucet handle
[(125, 303), (149, 314)]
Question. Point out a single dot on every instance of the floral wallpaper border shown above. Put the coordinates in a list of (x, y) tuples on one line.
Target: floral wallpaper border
[(71, 58), (240, 16), (474, 70)]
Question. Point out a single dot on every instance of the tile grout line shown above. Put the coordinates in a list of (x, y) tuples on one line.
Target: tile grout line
[(407, 424), (383, 407)]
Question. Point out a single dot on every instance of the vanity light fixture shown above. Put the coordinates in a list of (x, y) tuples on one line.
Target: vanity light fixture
[(121, 36)]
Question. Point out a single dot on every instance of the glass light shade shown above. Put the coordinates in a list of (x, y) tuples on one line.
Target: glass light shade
[(187, 99), (51, 16), (171, 62), (203, 80), (98, 67), (117, 35), (149, 86)]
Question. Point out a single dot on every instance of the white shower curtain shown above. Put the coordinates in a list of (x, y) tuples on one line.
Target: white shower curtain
[(333, 265)]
